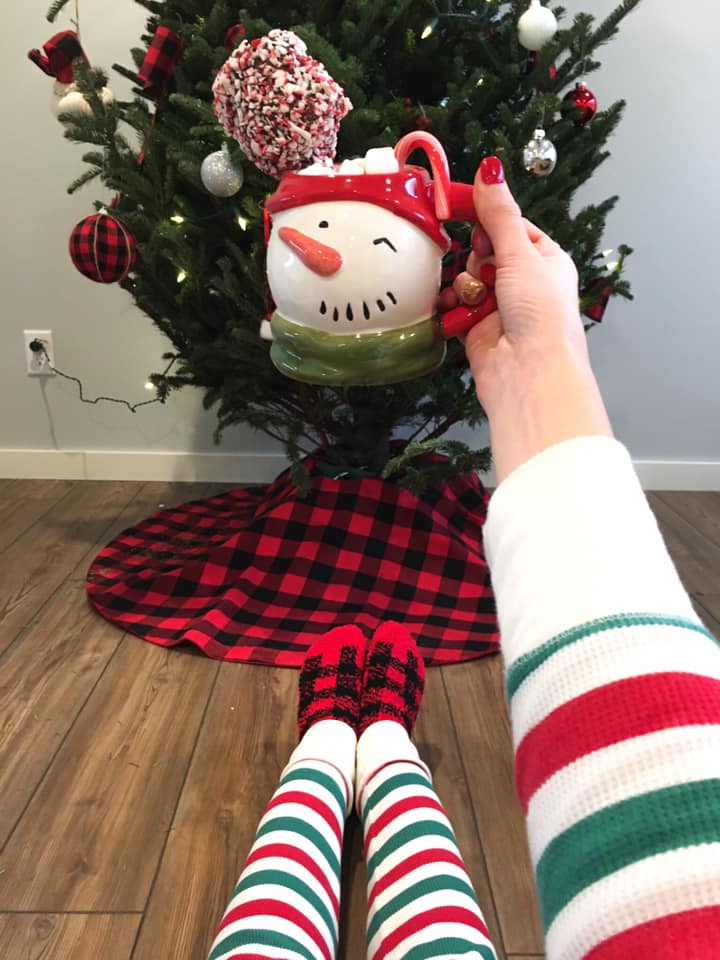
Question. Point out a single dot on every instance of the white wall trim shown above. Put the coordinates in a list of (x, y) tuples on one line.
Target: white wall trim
[(141, 465), (262, 468), (679, 474)]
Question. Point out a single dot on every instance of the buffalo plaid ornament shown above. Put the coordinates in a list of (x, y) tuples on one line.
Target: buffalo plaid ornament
[(159, 65), (58, 56), (103, 249)]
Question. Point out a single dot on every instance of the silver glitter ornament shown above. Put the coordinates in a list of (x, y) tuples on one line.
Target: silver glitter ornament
[(219, 176), (540, 155)]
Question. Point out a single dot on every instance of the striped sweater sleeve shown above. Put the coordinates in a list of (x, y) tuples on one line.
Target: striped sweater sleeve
[(614, 692)]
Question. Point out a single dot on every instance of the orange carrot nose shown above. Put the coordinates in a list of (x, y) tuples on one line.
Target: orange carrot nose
[(315, 255)]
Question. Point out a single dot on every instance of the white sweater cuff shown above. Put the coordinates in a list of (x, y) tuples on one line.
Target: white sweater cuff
[(570, 538)]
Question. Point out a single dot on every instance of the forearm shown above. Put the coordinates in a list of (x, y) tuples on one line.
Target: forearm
[(614, 689), (539, 402)]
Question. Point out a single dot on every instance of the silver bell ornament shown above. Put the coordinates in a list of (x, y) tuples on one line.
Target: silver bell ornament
[(537, 26), (540, 155), (219, 175)]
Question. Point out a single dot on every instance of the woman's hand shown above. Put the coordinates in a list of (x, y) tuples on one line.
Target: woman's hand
[(529, 358), (536, 287)]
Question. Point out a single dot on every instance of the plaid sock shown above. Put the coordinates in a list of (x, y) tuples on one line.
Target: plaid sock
[(421, 903), (286, 902), (394, 678), (331, 678)]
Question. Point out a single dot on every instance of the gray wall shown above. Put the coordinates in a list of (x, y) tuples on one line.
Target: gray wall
[(656, 358)]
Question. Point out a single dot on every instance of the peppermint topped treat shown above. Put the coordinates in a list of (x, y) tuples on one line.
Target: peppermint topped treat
[(281, 105)]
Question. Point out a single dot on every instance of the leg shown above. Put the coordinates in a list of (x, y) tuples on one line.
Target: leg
[(287, 900), (421, 903)]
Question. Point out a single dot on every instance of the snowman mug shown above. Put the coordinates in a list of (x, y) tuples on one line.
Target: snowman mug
[(354, 267)]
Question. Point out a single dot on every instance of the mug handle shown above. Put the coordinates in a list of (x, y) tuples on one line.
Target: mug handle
[(460, 321)]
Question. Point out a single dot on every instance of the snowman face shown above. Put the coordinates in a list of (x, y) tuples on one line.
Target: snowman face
[(349, 267)]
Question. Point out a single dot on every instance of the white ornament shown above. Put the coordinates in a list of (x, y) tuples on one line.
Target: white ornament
[(68, 99), (540, 155), (388, 275), (537, 26), (219, 176)]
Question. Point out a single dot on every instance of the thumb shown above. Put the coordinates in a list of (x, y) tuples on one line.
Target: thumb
[(498, 212)]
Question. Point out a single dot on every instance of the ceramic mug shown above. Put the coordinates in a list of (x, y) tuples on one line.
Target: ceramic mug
[(354, 266)]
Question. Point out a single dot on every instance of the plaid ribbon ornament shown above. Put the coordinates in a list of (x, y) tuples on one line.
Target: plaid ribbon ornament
[(61, 51), (163, 54), (103, 249)]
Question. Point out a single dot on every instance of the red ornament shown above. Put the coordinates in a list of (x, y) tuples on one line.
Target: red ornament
[(423, 123), (603, 291), (103, 249), (583, 100), (234, 35), (534, 63)]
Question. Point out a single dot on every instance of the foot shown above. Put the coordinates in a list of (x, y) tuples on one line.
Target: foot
[(331, 679), (393, 680)]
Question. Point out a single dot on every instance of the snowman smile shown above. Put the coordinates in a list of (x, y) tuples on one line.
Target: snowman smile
[(349, 312)]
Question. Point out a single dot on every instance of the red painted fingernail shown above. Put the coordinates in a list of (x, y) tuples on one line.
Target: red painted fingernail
[(476, 242), (491, 171)]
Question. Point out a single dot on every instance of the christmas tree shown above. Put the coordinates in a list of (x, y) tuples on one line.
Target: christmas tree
[(456, 68)]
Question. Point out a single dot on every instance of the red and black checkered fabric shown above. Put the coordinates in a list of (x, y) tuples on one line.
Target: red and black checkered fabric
[(256, 575), (61, 52), (160, 62), (393, 679), (103, 249)]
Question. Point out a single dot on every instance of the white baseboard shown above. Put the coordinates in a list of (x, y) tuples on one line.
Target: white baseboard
[(243, 468), (679, 474), (237, 468)]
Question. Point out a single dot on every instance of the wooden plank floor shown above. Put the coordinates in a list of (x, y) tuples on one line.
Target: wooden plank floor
[(132, 777)]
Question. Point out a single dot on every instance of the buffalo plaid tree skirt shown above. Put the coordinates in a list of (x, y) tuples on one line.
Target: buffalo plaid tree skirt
[(256, 574)]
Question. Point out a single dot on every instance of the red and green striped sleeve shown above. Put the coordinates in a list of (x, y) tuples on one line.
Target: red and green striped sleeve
[(614, 690)]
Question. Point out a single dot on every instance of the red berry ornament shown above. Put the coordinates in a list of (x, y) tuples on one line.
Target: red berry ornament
[(234, 36), (534, 63), (103, 249), (584, 101)]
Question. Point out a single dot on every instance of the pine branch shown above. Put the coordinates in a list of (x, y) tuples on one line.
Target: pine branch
[(84, 178), (609, 27), (128, 74), (56, 9)]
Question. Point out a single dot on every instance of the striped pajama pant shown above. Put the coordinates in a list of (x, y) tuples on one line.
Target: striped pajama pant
[(421, 904)]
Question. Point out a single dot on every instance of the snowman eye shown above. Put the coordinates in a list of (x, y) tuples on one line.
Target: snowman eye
[(384, 240), (323, 224)]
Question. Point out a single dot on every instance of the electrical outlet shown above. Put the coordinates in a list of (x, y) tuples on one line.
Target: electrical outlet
[(37, 363)]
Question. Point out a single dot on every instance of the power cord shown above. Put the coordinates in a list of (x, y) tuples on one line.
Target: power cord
[(37, 346)]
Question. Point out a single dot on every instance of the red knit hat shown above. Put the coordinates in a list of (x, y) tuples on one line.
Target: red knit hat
[(411, 193)]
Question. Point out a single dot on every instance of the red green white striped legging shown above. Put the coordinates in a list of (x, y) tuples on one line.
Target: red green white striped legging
[(617, 732), (420, 900)]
